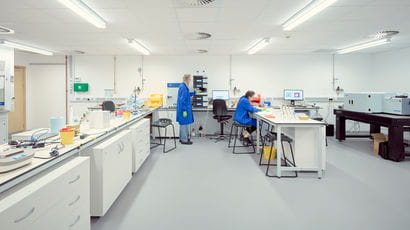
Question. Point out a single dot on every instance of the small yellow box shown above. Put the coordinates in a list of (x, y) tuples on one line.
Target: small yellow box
[(267, 150)]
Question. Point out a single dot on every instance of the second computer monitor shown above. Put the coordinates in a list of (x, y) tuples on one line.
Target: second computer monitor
[(220, 94), (293, 95)]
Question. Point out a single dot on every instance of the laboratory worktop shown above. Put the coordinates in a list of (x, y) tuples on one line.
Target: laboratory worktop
[(42, 160), (232, 109)]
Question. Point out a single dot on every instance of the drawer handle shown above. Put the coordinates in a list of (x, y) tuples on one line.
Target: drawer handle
[(76, 179), (75, 222), (75, 201), (25, 216)]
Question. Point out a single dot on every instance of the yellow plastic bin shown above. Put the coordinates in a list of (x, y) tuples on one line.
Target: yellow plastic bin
[(67, 136), (156, 100), (126, 115), (267, 150)]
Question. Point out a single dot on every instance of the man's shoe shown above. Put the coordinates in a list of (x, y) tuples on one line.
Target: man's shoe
[(187, 143)]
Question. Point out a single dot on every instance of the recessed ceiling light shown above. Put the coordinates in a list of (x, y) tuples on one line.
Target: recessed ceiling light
[(258, 46), (198, 36), (311, 9), (5, 30), (139, 46), (364, 45), (24, 47), (83, 10)]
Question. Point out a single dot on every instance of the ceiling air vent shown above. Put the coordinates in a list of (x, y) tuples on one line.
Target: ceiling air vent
[(4, 30), (197, 2), (201, 51), (384, 34), (198, 36)]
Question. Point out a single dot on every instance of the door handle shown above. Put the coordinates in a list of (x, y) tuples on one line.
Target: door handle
[(75, 201), (75, 222), (76, 179), (25, 216)]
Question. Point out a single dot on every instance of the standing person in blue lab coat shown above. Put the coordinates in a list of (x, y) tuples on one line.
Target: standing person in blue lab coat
[(241, 116), (184, 110)]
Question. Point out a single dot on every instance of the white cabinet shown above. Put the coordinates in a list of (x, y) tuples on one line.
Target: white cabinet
[(140, 138), (171, 114), (47, 200), (111, 164)]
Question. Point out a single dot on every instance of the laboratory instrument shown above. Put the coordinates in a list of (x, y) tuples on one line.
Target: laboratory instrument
[(397, 105), (11, 159), (172, 94), (369, 102), (201, 88)]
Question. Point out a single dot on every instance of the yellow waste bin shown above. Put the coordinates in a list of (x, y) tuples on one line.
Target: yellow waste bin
[(67, 136), (267, 152)]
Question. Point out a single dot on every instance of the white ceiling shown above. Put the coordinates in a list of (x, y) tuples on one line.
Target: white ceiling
[(162, 25)]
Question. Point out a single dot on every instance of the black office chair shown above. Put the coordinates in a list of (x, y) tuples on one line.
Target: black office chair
[(108, 106), (221, 115)]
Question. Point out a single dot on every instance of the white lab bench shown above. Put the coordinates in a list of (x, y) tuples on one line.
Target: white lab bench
[(308, 141), (56, 191)]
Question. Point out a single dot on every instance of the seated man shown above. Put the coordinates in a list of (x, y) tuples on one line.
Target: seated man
[(241, 116)]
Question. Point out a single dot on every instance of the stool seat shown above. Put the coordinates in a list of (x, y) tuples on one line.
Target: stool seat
[(162, 122), (222, 118), (241, 125), (273, 136)]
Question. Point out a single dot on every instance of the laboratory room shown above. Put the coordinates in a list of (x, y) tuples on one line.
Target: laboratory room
[(204, 114)]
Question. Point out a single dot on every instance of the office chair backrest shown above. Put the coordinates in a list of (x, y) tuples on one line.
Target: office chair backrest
[(219, 107), (108, 106)]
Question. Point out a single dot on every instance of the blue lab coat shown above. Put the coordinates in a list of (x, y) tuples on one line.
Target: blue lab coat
[(243, 109), (184, 104)]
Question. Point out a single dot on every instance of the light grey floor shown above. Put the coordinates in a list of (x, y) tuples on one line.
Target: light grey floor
[(204, 186)]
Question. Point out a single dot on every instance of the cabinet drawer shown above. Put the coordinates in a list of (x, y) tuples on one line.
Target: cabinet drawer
[(63, 217), (23, 207)]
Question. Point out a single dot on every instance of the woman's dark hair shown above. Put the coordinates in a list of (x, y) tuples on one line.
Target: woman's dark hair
[(249, 93)]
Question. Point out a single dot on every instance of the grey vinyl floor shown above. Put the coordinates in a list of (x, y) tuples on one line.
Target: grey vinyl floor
[(204, 186)]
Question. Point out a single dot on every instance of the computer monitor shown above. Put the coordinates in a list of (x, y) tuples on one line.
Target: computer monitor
[(220, 94), (293, 95)]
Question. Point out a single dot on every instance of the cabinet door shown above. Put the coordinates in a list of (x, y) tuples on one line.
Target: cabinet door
[(116, 165)]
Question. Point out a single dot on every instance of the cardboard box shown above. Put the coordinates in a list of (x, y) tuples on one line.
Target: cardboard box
[(377, 138)]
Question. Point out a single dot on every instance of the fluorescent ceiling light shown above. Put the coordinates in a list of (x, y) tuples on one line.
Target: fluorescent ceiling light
[(25, 47), (5, 30), (82, 9), (138, 46), (258, 46), (310, 10), (364, 46)]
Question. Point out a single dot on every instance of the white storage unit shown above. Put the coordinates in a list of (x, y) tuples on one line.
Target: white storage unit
[(140, 143), (58, 199), (111, 163), (171, 114)]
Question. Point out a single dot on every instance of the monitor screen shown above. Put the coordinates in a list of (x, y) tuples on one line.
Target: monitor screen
[(293, 94), (220, 94)]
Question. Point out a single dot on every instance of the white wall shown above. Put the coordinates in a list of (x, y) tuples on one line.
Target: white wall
[(392, 71), (267, 74)]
